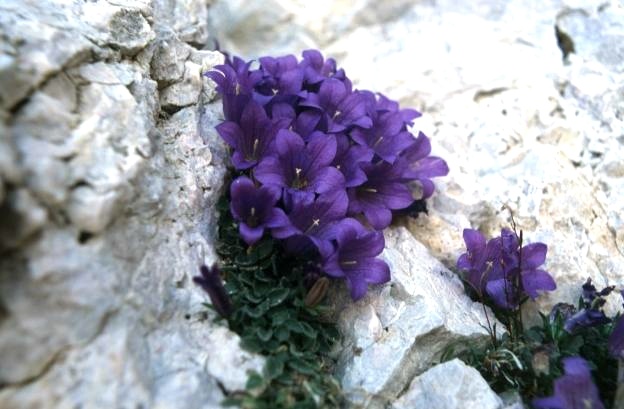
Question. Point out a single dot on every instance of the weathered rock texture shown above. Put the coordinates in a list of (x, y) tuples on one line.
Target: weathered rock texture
[(109, 169), (451, 385), (399, 330)]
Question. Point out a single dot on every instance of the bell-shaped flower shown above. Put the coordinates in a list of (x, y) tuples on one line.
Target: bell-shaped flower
[(480, 261), (282, 75), (348, 159), (384, 104), (341, 107), (422, 167), (254, 208), (574, 389), (387, 137), (382, 192), (210, 281), (302, 169), (592, 314), (235, 83), (253, 137), (311, 222), (616, 339), (355, 257), (315, 67), (502, 270)]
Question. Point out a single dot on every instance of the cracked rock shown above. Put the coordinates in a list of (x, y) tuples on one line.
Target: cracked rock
[(397, 331), (185, 92), (106, 204), (451, 385)]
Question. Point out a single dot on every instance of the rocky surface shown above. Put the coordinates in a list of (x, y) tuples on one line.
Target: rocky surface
[(399, 330), (451, 385), (109, 167)]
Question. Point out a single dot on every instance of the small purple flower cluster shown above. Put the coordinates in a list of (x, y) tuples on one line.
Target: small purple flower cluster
[(575, 389), (592, 314), (324, 166), (504, 270)]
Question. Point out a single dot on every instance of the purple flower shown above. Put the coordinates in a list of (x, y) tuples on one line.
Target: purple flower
[(235, 83), (422, 167), (575, 389), (505, 271), (282, 75), (385, 104), (348, 159), (592, 314), (303, 169), (311, 222), (341, 107), (519, 273), (382, 192), (386, 137), (252, 138), (616, 339), (210, 281), (315, 68), (254, 208), (478, 261), (355, 258)]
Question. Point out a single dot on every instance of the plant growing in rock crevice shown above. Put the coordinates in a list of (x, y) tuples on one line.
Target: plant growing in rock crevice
[(556, 358), (319, 169)]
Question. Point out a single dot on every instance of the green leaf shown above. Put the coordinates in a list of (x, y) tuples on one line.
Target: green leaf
[(264, 334), (280, 316), (274, 366), (254, 382), (277, 296), (302, 366)]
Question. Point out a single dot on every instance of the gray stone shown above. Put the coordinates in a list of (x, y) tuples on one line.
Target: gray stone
[(397, 331), (450, 385), (107, 201), (185, 92), (168, 60)]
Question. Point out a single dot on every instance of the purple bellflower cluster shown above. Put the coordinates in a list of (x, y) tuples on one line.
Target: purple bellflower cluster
[(323, 165), (592, 314), (503, 270)]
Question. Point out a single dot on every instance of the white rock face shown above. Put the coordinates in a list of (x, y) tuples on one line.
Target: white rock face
[(109, 169), (399, 330), (451, 385)]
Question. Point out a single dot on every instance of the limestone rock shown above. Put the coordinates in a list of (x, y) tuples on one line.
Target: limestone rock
[(399, 330), (450, 385), (106, 205)]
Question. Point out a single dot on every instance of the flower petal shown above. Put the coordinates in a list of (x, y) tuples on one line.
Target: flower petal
[(269, 172), (533, 255), (251, 235), (534, 280), (328, 179), (231, 133)]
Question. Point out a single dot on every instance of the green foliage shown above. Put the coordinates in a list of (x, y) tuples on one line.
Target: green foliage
[(266, 288), (530, 361)]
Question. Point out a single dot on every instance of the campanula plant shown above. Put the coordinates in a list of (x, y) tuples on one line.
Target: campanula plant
[(568, 361), (318, 169), (320, 165)]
